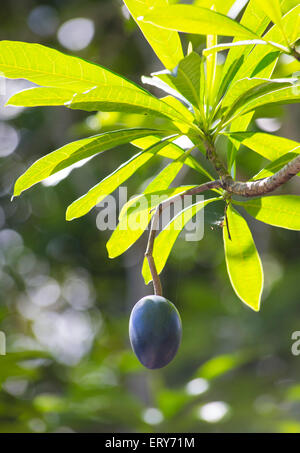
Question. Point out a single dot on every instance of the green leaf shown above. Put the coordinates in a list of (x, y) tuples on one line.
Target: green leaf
[(272, 9), (287, 95), (48, 67), (166, 44), (287, 5), (173, 152), (278, 210), (34, 97), (247, 88), (222, 6), (187, 79), (218, 366), (74, 152), (192, 19), (166, 239), (275, 166), (124, 235), (259, 63), (163, 81), (95, 195), (180, 108), (257, 21), (135, 217), (211, 70), (269, 146), (242, 260), (112, 99), (262, 60)]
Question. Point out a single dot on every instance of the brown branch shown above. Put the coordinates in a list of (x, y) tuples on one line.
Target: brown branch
[(253, 188), (149, 251), (245, 189), (263, 186), (211, 154), (155, 224)]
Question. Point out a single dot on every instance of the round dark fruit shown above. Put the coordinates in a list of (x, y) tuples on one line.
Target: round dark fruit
[(155, 331)]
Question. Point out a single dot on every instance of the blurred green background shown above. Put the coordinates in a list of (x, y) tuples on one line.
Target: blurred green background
[(64, 306)]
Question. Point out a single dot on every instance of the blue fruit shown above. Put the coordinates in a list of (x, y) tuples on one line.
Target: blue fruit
[(155, 331)]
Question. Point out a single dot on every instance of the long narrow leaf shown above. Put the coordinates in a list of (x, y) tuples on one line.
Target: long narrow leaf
[(287, 95), (277, 210), (259, 63), (48, 67), (192, 19), (75, 152), (174, 152), (34, 97), (95, 195), (269, 146), (136, 215), (112, 99), (275, 166), (242, 259), (166, 44), (165, 241)]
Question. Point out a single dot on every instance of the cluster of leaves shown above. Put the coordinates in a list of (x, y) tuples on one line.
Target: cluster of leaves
[(204, 101)]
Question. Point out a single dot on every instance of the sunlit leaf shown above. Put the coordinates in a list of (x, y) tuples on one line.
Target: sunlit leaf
[(287, 95), (269, 146), (48, 67), (188, 126), (272, 9), (163, 82), (187, 78), (74, 152), (174, 152), (166, 44), (95, 195), (192, 19), (242, 259), (211, 69), (112, 99), (243, 89), (34, 97), (259, 63), (222, 6), (277, 210), (166, 239), (138, 209), (135, 217), (275, 166), (257, 21)]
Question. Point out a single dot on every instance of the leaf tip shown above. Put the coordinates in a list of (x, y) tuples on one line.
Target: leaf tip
[(17, 191), (69, 216), (109, 249)]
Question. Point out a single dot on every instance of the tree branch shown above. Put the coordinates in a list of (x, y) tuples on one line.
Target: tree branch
[(149, 251), (263, 186), (245, 189)]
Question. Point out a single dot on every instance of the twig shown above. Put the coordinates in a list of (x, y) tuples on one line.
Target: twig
[(245, 189), (149, 252), (263, 186), (155, 224)]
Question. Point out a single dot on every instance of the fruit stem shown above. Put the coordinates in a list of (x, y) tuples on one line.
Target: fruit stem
[(149, 252)]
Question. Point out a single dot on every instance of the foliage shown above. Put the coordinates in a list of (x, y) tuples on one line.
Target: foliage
[(212, 107), (228, 353)]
